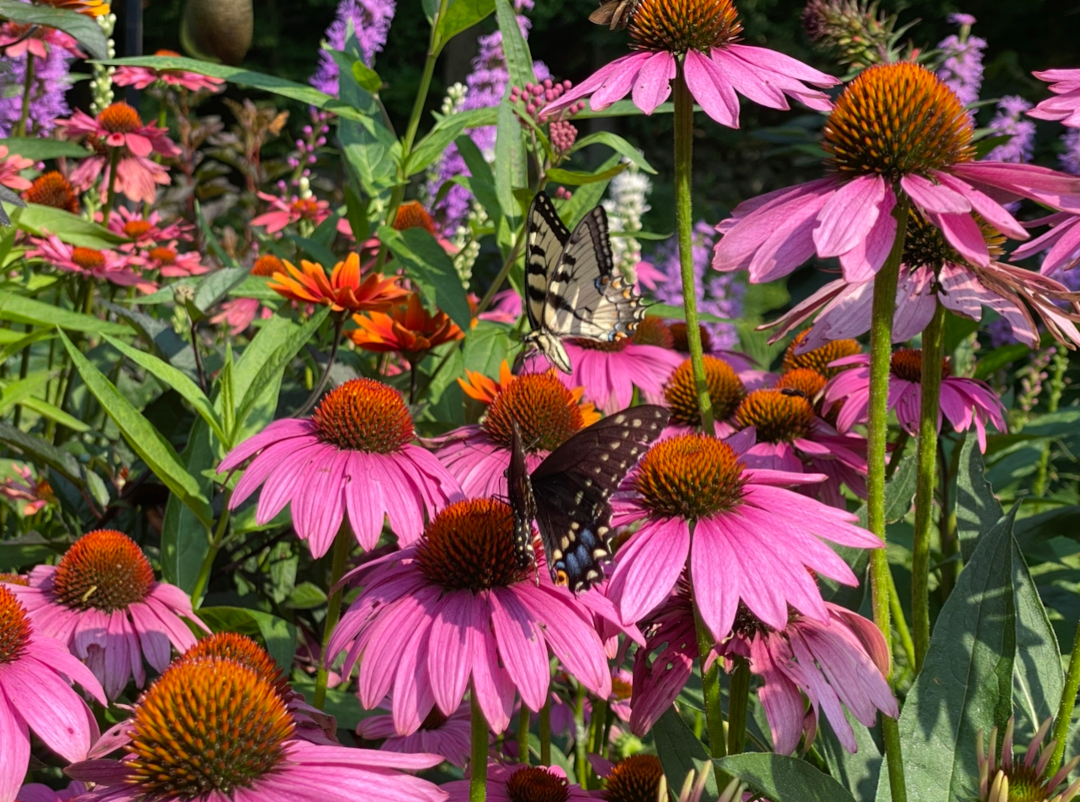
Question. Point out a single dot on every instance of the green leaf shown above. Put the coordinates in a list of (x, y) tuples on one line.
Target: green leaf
[(680, 752), (858, 771), (998, 358), (515, 48), (1039, 682), (576, 178), (46, 410), (587, 197), (432, 269), (14, 392), (977, 508), (511, 171), (70, 228), (31, 147), (366, 77), (620, 108), (214, 287), (20, 309), (617, 144), (83, 28), (277, 635), (486, 347), (434, 145), (782, 778), (14, 556), (965, 685), (370, 148), (146, 441), (178, 381), (249, 78), (63, 462), (481, 180), (185, 540), (460, 16)]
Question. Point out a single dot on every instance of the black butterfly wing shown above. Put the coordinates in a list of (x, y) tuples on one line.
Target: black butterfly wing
[(522, 501), (571, 488)]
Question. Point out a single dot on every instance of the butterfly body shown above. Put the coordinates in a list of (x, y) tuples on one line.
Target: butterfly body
[(571, 289), (614, 13), (568, 494)]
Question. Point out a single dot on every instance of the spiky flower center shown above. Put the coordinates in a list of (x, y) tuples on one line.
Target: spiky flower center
[(896, 120), (245, 651), (537, 784), (306, 208), (14, 579), (52, 189), (653, 331), (545, 410), (364, 415), (88, 258), (120, 118), (412, 214), (137, 228), (635, 779), (597, 345), (677, 26), (725, 390), (906, 364), (690, 476), (207, 727), (267, 265), (778, 416), (103, 570), (747, 624), (926, 246), (164, 256), (819, 358), (1026, 784), (14, 627), (470, 546), (806, 382), (679, 341)]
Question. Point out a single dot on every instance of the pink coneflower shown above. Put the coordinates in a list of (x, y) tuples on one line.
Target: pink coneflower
[(746, 524), (31, 495), (116, 268), (932, 271), (506, 309), (142, 77), (352, 458), (36, 696), (173, 264), (1061, 242), (837, 663), (1003, 769), (637, 778), (546, 412), (448, 736), (146, 231), (119, 127), (895, 129), (520, 783), (964, 402), (700, 37), (286, 211), (18, 40), (103, 603), (454, 609), (10, 167), (663, 666), (1065, 106), (36, 792), (213, 730), (726, 390)]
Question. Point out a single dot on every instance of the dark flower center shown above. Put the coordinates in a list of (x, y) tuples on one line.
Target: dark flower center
[(906, 364), (546, 412), (680, 25), (243, 650), (120, 118), (470, 546), (896, 120), (88, 258), (725, 390), (52, 189), (14, 627), (653, 331), (364, 415), (778, 416), (926, 246), (806, 382), (267, 265), (819, 358), (103, 570), (206, 726), (690, 476), (635, 779), (536, 784)]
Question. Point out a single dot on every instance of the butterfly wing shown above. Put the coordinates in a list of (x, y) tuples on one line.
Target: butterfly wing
[(546, 238), (522, 501), (571, 489)]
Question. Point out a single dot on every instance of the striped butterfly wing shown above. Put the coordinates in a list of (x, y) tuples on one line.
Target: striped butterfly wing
[(546, 238), (522, 501), (571, 489)]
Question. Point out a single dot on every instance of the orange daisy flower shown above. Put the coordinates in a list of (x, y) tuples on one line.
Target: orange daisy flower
[(410, 330), (345, 290), (91, 8)]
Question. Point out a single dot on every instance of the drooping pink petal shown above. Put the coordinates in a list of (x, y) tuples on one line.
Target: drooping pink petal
[(653, 84), (847, 217), (711, 89), (964, 234), (522, 648), (647, 567), (863, 261), (931, 197)]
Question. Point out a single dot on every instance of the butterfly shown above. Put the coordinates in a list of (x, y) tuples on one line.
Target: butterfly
[(568, 493), (571, 289), (614, 13)]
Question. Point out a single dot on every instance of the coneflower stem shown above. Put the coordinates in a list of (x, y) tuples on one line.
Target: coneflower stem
[(710, 687), (599, 716), (478, 764), (581, 739), (684, 224), (1065, 711), (738, 702), (933, 348), (24, 112), (545, 733), (523, 734), (218, 538), (110, 198), (333, 609), (900, 622), (339, 324), (881, 323)]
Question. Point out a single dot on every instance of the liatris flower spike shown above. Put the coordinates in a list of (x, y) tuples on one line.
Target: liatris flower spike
[(353, 458)]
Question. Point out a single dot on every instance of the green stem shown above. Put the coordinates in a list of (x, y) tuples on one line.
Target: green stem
[(900, 622), (333, 609), (24, 112), (86, 304), (523, 734), (581, 739), (110, 201), (339, 325), (545, 733), (710, 686), (684, 223), (899, 445), (24, 370), (599, 716), (881, 322), (950, 543), (215, 546), (1065, 711), (504, 271), (933, 348), (738, 703), (478, 764)]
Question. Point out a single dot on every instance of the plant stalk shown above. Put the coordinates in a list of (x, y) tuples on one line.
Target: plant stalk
[(710, 686), (738, 703), (478, 763), (1065, 711), (339, 325), (28, 84), (333, 609), (545, 733), (110, 200), (523, 734), (203, 579)]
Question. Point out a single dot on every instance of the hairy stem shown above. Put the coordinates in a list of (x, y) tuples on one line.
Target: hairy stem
[(523, 734), (218, 538), (710, 686), (110, 199), (28, 88), (738, 703), (1065, 711), (545, 733), (478, 764)]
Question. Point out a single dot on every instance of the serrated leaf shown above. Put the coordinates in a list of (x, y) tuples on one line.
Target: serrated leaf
[(782, 778), (146, 441), (431, 268), (83, 28)]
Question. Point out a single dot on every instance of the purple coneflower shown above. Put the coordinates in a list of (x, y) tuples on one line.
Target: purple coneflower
[(964, 402), (897, 133), (700, 37), (214, 730), (1065, 105), (36, 696), (1001, 769), (352, 458), (115, 267), (1061, 243), (517, 783), (453, 611), (103, 603), (448, 736), (696, 499)]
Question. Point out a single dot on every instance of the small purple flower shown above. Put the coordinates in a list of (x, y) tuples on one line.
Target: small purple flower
[(371, 21), (962, 68), (1010, 120), (47, 99), (1070, 159)]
